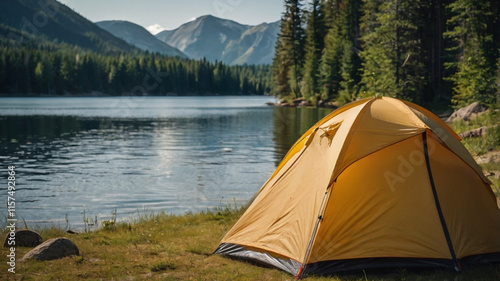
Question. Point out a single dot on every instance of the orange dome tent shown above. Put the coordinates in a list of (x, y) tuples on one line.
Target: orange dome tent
[(379, 182)]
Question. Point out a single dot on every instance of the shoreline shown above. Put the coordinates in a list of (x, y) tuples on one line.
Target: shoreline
[(100, 94)]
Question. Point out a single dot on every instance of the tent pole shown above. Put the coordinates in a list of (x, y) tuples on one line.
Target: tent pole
[(322, 210), (438, 205)]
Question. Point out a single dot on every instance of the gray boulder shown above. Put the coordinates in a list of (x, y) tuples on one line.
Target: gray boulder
[(23, 238), (304, 103), (51, 249), (284, 103), (467, 112)]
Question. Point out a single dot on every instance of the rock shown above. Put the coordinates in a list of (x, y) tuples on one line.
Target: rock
[(467, 112), (51, 249), (304, 103), (330, 105), (298, 101), (24, 238), (284, 103), (488, 157), (479, 132)]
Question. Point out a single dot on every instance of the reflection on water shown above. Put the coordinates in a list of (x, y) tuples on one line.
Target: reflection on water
[(196, 160), (290, 123)]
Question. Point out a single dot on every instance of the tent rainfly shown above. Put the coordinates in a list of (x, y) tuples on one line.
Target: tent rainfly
[(379, 182)]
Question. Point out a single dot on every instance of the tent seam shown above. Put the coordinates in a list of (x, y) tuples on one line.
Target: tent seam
[(343, 150)]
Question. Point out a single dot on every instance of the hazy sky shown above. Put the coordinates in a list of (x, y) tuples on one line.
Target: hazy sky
[(171, 14)]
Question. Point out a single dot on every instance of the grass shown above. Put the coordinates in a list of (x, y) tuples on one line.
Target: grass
[(170, 247), (492, 169), (163, 266), (491, 141)]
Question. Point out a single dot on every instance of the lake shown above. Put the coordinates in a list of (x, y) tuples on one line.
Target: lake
[(140, 154)]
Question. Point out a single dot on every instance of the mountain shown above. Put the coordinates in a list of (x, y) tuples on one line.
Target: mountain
[(138, 36), (255, 45), (224, 40), (53, 21)]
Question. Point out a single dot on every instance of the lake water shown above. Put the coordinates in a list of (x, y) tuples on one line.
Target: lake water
[(147, 154)]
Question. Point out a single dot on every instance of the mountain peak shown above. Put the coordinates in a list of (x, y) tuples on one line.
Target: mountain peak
[(211, 17), (224, 40), (206, 17), (138, 36)]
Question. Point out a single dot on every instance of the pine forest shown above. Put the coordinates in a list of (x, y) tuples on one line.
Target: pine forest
[(432, 52)]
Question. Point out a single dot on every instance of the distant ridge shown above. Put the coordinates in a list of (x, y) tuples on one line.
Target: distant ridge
[(53, 21), (138, 36), (224, 40)]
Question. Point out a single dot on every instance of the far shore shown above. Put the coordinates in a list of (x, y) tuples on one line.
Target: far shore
[(101, 94)]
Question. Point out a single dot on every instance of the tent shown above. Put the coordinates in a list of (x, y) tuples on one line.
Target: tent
[(379, 182)]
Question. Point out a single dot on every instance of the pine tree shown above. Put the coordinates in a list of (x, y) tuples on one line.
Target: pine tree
[(330, 61), (476, 52), (392, 56), (433, 20), (314, 44), (350, 63), (289, 54), (340, 62), (349, 68), (44, 76)]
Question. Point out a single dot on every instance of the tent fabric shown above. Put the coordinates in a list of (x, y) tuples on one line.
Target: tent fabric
[(377, 183)]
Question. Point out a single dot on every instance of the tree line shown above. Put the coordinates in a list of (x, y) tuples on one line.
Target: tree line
[(61, 69), (425, 51)]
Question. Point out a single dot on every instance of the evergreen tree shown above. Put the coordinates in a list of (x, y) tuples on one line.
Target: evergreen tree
[(289, 54), (44, 76), (433, 20), (350, 63), (340, 62), (472, 30), (330, 61), (314, 45), (349, 68), (391, 53)]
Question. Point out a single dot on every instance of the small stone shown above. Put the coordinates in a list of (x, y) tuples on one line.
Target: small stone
[(51, 249), (24, 238), (304, 103)]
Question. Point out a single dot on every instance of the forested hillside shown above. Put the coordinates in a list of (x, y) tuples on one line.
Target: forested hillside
[(426, 51), (51, 69), (51, 20)]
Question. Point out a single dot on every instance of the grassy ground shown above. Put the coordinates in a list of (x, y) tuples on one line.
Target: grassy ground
[(491, 141), (486, 149), (167, 247)]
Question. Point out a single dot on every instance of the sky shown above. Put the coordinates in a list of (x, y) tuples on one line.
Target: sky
[(157, 15)]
